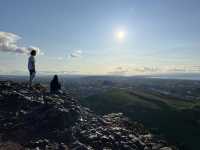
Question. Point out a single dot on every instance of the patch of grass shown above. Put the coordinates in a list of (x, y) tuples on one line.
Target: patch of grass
[(175, 118)]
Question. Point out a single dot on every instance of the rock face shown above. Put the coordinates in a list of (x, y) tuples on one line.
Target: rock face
[(34, 119)]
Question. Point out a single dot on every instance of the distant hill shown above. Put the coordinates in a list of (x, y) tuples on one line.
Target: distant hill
[(178, 119)]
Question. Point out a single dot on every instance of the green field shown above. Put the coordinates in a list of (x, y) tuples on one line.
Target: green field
[(176, 119)]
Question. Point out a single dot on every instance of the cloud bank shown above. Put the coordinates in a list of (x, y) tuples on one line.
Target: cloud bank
[(9, 43), (145, 70)]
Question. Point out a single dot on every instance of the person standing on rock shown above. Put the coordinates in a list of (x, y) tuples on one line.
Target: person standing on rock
[(31, 67)]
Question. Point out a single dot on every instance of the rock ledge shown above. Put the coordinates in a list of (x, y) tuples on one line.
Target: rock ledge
[(27, 122)]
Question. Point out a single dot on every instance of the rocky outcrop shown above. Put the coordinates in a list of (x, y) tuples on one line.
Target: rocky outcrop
[(34, 119)]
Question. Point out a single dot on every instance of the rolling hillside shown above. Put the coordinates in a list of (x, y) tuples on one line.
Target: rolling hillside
[(177, 119)]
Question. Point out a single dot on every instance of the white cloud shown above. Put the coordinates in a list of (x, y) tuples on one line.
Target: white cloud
[(119, 71), (76, 53), (9, 43)]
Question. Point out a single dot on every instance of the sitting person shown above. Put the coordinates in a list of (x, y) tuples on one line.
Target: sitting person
[(55, 86)]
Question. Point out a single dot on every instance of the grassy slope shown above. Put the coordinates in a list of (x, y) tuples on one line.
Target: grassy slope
[(172, 117)]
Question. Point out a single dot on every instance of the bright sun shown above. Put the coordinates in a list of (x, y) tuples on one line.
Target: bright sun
[(120, 35)]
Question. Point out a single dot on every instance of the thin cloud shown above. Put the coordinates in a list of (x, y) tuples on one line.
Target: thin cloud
[(146, 69), (59, 58), (9, 43), (183, 69), (61, 72), (196, 68), (142, 70), (119, 71)]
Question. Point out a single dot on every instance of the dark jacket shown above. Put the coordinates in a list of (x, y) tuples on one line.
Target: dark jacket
[(55, 86)]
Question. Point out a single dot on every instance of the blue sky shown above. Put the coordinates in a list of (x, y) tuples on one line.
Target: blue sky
[(79, 36)]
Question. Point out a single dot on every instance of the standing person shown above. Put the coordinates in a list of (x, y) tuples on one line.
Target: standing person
[(55, 86), (31, 67)]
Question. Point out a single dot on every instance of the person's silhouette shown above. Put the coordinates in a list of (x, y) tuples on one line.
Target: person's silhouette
[(55, 85), (31, 66)]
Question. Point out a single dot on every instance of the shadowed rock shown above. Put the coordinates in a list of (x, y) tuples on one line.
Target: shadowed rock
[(35, 119)]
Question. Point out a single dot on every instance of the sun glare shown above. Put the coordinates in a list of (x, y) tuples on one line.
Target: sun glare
[(120, 35)]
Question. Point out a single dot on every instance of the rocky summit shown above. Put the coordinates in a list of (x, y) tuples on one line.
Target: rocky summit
[(33, 119)]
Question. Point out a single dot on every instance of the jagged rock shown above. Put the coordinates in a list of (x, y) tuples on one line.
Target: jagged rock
[(79, 146), (35, 119), (166, 148)]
